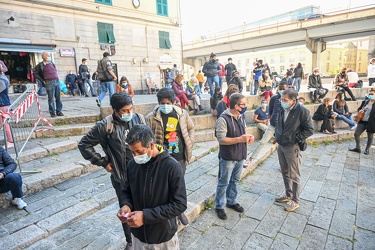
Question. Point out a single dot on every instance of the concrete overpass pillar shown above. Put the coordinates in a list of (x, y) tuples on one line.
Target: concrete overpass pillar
[(316, 47), (197, 65), (371, 48)]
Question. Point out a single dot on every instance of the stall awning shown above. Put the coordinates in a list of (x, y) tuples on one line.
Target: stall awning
[(26, 48)]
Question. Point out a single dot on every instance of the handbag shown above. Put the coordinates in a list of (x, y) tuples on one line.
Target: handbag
[(357, 118)]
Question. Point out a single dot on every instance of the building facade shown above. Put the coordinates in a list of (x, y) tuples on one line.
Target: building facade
[(143, 37)]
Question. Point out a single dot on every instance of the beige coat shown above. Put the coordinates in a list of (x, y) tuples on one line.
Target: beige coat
[(186, 126), (264, 85)]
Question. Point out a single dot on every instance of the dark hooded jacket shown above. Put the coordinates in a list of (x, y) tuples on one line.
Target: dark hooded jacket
[(158, 189)]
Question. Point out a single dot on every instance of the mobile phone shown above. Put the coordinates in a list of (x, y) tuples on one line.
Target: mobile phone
[(125, 215)]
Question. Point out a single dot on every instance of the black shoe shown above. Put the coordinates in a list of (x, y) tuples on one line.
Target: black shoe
[(184, 220), (86, 95), (98, 103), (59, 113), (190, 108), (236, 207), (53, 115), (357, 150), (221, 214), (367, 151), (94, 95), (129, 246)]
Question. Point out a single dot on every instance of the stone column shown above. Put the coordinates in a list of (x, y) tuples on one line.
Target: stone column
[(316, 47), (371, 48)]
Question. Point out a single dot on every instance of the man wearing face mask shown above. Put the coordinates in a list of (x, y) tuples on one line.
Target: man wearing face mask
[(46, 73), (342, 81), (154, 195), (274, 111), (174, 129), (231, 134), (293, 127), (315, 86), (111, 133)]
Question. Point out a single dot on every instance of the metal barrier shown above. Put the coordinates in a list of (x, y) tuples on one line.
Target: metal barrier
[(23, 117)]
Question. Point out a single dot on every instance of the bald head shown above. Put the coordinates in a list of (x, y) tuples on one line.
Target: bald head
[(45, 56)]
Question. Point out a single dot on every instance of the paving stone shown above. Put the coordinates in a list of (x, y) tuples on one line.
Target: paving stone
[(258, 242), (76, 181), (239, 234), (322, 214), (330, 189), (366, 195), (364, 239), (3, 233), (247, 199), (311, 190), (269, 177), (188, 237), (259, 188), (319, 173), (23, 237), (334, 242), (272, 222), (313, 238), (335, 172), (349, 176), (208, 239), (261, 206), (199, 182), (294, 225), (284, 242), (343, 224), (365, 217), (59, 147), (346, 205)]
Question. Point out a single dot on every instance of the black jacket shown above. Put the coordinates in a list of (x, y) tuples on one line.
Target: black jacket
[(211, 68), (275, 109), (71, 79), (322, 112), (370, 128), (7, 164), (113, 144), (229, 68), (297, 127), (314, 81), (158, 189), (238, 82)]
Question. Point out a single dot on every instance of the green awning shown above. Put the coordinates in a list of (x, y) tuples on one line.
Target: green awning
[(26, 48)]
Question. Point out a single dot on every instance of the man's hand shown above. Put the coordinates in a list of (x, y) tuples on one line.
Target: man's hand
[(136, 219), (247, 138), (115, 78), (124, 213), (109, 168), (1, 176), (334, 116)]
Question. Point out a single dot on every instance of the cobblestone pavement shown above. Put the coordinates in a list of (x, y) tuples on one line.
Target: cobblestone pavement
[(337, 210)]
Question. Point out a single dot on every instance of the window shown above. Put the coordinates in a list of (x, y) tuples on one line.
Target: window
[(247, 62), (107, 2), (302, 56), (272, 61), (328, 55), (239, 64), (327, 67), (105, 33), (292, 57), (359, 67), (162, 7), (164, 42), (282, 59), (360, 56), (282, 68)]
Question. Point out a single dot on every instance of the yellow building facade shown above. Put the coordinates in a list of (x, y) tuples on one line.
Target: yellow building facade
[(143, 36)]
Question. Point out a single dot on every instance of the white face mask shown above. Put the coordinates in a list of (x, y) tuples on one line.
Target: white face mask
[(142, 159)]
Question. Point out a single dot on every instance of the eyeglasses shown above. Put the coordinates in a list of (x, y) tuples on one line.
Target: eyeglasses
[(242, 105)]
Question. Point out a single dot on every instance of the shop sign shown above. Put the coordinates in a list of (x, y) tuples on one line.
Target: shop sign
[(165, 58), (66, 52)]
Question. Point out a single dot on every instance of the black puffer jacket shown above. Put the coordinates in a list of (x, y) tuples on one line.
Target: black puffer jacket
[(7, 164), (113, 144), (158, 189), (211, 68), (297, 127), (370, 128)]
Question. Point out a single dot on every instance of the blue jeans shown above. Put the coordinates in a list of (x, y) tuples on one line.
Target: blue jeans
[(230, 174), (345, 119), (54, 91), (13, 183), (40, 87), (104, 88), (89, 81), (297, 83), (221, 80), (211, 80)]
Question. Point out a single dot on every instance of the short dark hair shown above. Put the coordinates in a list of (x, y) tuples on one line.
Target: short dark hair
[(84, 59), (174, 65), (291, 93), (140, 133), (166, 93), (120, 99), (283, 83), (235, 98), (301, 97), (105, 54)]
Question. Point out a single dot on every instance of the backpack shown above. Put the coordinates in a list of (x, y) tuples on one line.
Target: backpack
[(110, 126)]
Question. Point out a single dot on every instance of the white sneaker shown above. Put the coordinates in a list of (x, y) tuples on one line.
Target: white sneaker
[(19, 203), (354, 127)]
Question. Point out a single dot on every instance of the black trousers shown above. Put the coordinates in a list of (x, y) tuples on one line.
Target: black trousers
[(117, 186)]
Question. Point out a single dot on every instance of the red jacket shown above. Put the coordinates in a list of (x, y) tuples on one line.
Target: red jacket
[(222, 72)]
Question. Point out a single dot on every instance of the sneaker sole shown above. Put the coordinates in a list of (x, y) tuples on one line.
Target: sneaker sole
[(291, 209), (283, 200)]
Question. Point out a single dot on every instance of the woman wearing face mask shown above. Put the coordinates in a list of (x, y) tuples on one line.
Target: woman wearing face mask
[(367, 123), (218, 96), (342, 111), (261, 116), (111, 134), (193, 90), (342, 81), (125, 86), (265, 85), (178, 89), (324, 113)]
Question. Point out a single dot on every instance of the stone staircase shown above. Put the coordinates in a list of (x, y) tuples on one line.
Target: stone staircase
[(68, 191)]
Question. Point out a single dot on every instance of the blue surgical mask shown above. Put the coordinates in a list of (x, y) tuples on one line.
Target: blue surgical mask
[(124, 85), (243, 110), (142, 159), (300, 103), (126, 117), (371, 97), (285, 105), (166, 108), (49, 59), (264, 105), (281, 92)]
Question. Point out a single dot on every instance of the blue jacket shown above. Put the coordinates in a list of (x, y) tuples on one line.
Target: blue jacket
[(275, 109), (258, 72), (4, 85), (7, 164)]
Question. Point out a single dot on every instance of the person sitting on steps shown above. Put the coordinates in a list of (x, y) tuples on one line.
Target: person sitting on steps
[(315, 87), (324, 113), (341, 82)]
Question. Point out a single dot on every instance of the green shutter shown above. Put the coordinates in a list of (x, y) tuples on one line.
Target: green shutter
[(102, 33), (161, 40), (159, 7), (168, 44), (165, 7), (107, 2), (164, 42)]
